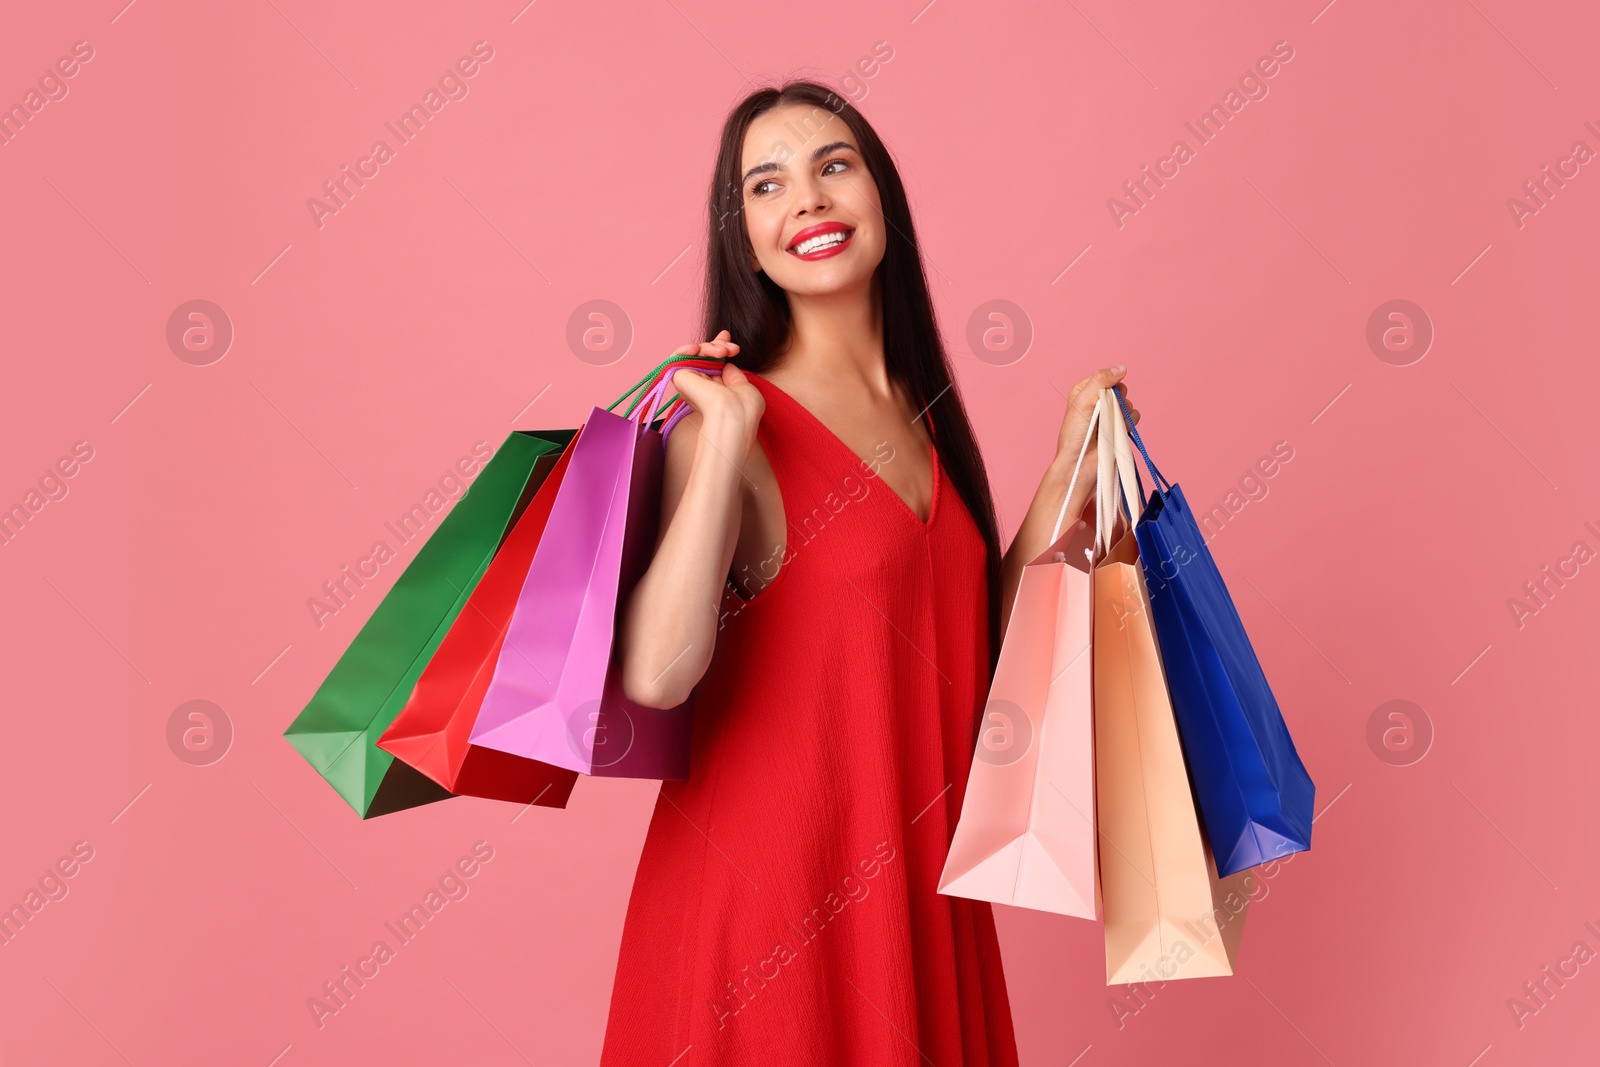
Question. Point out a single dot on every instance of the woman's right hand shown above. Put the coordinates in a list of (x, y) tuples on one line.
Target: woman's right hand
[(729, 405), (666, 634)]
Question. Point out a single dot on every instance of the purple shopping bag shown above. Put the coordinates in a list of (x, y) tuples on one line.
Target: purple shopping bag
[(556, 695)]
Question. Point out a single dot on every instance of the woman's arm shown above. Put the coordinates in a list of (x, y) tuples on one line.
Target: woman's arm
[(668, 627), (1033, 536)]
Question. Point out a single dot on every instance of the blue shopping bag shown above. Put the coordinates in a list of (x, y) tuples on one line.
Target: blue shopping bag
[(1255, 797)]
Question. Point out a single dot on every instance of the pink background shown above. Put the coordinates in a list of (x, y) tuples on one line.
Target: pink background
[(431, 310)]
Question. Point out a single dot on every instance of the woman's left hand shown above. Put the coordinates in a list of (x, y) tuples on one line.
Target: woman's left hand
[(1080, 408), (1045, 516)]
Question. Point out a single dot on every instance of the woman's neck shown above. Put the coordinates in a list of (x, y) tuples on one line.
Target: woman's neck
[(835, 337)]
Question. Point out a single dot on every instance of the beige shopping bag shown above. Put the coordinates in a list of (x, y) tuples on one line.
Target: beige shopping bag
[(1167, 915)]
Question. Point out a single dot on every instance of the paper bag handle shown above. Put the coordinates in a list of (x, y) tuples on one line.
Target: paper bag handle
[(1094, 417), (1106, 511), (1124, 466), (1133, 430), (647, 408)]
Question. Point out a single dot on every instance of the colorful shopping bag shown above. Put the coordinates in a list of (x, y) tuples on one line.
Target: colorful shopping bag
[(431, 732), (1026, 835), (370, 683), (1167, 914), (556, 693), (1255, 797)]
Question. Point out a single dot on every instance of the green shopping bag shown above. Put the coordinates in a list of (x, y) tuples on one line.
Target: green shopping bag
[(371, 682)]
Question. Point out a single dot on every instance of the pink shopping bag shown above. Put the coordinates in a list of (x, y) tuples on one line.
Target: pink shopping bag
[(1026, 835), (556, 693)]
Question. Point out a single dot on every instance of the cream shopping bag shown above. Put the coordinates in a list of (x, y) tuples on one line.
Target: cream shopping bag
[(1167, 915)]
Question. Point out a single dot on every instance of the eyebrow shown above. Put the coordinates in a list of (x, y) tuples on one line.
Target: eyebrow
[(767, 168)]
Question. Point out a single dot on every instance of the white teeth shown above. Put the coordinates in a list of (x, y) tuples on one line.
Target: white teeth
[(824, 241)]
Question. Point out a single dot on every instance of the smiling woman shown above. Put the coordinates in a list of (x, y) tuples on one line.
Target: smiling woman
[(836, 712)]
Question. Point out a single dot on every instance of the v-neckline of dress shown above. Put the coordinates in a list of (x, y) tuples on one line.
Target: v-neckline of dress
[(937, 481)]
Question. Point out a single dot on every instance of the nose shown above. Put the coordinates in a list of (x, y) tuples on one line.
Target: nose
[(811, 199)]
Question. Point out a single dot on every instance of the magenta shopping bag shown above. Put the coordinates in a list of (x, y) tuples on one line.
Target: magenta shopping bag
[(556, 695)]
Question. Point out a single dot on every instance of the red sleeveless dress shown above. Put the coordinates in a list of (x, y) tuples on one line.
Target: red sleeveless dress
[(785, 908)]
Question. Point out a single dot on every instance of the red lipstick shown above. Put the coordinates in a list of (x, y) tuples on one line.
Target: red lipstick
[(825, 248)]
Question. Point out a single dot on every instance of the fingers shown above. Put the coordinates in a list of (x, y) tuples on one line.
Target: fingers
[(1107, 377), (721, 348), (1104, 378), (1122, 391), (1133, 412), (721, 341), (1133, 415), (718, 347), (691, 383)]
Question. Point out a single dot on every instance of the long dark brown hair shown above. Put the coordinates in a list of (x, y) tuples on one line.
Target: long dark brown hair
[(755, 311)]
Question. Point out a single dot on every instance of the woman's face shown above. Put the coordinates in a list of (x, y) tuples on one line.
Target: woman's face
[(811, 209)]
